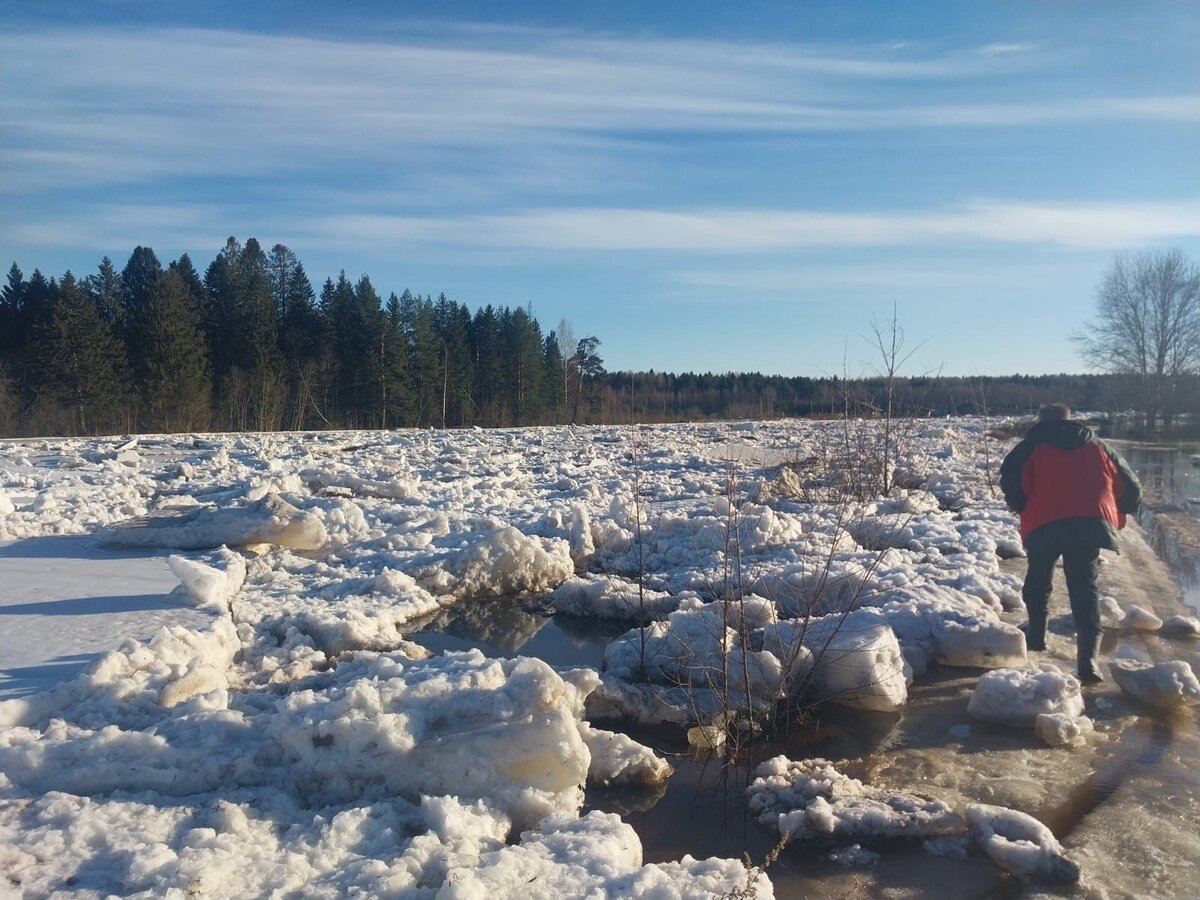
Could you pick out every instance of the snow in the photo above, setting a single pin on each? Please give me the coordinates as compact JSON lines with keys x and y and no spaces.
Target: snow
{"x":252,"y":714}
{"x":271,"y":520}
{"x":1181,"y":627}
{"x":64,"y":603}
{"x":1167,"y":685}
{"x":1062,"y":730}
{"x":1020,"y":843}
{"x":1138,"y":618}
{"x":1019,"y":696}
{"x":811,"y":799}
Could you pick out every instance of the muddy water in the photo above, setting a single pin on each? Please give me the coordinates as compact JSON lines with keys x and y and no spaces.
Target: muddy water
{"x":1170,"y":470}
{"x":1127,"y":806}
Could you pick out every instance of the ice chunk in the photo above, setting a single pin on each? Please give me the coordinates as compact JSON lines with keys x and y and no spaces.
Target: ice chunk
{"x":1111,"y":613}
{"x":6,"y":505}
{"x":595,"y":856}
{"x":856,"y":660}
{"x":1181,"y":627}
{"x":704,"y":647}
{"x":507,"y":730}
{"x":210,"y":585}
{"x":978,"y":643}
{"x":1019,"y":696}
{"x":611,"y":597}
{"x":1062,"y":730}
{"x":271,"y":520}
{"x":1165,"y":685}
{"x":620,"y":760}
{"x":1019,"y":843}
{"x":502,"y":562}
{"x":1138,"y":618}
{"x":811,"y":799}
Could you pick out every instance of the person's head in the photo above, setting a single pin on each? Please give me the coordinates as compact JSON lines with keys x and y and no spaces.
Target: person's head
{"x":1054,"y":412}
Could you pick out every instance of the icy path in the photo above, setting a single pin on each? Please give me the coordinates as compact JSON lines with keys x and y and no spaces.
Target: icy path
{"x":64,"y":603}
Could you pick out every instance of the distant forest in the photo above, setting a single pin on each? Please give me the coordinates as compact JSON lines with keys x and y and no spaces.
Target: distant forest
{"x":250,"y":345}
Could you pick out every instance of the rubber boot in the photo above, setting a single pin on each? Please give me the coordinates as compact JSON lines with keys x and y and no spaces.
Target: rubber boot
{"x":1088,"y":645}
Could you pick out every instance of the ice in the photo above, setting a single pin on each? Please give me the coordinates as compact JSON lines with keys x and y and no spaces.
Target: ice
{"x":1138,"y":618}
{"x":620,"y":760}
{"x":1167,"y":685}
{"x":811,"y":799}
{"x":271,"y":520}
{"x":701,"y":647}
{"x":505,"y":730}
{"x":1181,"y":627}
{"x":1019,"y":843}
{"x":595,"y":856}
{"x":287,"y":735}
{"x":611,"y":597}
{"x":504,"y":561}
{"x":855,"y":659}
{"x":1062,"y":730}
{"x":211,"y":585}
{"x":1111,"y":613}
{"x":1019,"y":696}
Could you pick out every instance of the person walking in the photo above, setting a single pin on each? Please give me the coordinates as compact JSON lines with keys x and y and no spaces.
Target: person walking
{"x":1073,"y":493}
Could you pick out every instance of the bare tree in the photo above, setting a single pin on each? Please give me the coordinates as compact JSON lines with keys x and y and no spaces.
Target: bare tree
{"x":1147,"y":325}
{"x":888,"y":340}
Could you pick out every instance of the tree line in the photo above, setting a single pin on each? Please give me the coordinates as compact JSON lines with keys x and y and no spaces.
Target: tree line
{"x":251,"y":346}
{"x":667,"y":397}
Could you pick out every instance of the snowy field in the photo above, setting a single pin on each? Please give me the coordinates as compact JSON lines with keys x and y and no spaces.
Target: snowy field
{"x":222,"y":673}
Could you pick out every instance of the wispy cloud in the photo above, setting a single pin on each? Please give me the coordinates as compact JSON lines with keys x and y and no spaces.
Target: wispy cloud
{"x":101,"y":106}
{"x":1068,"y":226}
{"x":1077,"y":226}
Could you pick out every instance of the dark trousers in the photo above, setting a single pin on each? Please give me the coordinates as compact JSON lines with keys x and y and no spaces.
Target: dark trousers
{"x":1080,"y":566}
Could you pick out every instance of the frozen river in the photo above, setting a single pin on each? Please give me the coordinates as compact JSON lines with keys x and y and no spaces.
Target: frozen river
{"x":418,"y":674}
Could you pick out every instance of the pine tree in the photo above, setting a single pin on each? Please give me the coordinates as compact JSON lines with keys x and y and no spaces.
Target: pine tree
{"x":88,"y":374}
{"x":106,"y":291}
{"x":172,"y":374}
{"x":397,"y":403}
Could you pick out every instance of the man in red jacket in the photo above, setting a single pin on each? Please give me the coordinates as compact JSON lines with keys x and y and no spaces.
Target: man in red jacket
{"x":1073,"y":494}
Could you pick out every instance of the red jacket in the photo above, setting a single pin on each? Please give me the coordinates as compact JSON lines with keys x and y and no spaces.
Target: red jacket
{"x":1062,"y":473}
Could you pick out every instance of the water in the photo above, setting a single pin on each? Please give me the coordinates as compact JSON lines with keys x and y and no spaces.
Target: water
{"x":1172,"y":471}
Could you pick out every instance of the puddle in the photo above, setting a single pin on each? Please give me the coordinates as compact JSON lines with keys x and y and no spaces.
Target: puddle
{"x":1166,"y":469}
{"x":502,"y":627}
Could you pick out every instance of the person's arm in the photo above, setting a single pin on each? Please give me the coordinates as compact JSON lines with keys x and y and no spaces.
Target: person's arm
{"x":1011,"y":474}
{"x":1129,"y":497}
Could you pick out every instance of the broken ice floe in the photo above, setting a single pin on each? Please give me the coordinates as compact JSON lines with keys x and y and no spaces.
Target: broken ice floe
{"x":1019,"y":696}
{"x":1019,"y":843}
{"x":1181,"y":627}
{"x":271,"y":520}
{"x":1138,"y":618}
{"x":1167,"y":685}
{"x":810,"y":799}
{"x":1062,"y":729}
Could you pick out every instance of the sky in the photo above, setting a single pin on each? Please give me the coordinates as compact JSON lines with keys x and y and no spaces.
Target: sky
{"x":705,"y":186}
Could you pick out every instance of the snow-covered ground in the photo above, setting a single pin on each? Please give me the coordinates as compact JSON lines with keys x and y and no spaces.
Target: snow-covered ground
{"x":276,"y":713}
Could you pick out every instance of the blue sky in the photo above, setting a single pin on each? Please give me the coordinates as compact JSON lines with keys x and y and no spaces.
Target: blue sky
{"x":704,"y":186}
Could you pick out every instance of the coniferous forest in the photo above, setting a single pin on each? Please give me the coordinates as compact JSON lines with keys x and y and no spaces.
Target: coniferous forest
{"x":250,"y":345}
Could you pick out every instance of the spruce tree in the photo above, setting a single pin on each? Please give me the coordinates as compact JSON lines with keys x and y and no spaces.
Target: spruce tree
{"x":172,"y":371}
{"x":89,"y":375}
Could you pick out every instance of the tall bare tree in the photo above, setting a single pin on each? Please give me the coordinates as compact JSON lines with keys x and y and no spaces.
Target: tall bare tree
{"x":1147,"y":326}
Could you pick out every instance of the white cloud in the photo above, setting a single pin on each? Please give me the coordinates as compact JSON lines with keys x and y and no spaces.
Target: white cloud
{"x":1069,"y":226}
{"x":104,"y":106}
{"x":1075,"y":226}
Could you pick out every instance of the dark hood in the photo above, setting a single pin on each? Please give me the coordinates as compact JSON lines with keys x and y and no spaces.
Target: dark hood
{"x":1064,"y":434}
